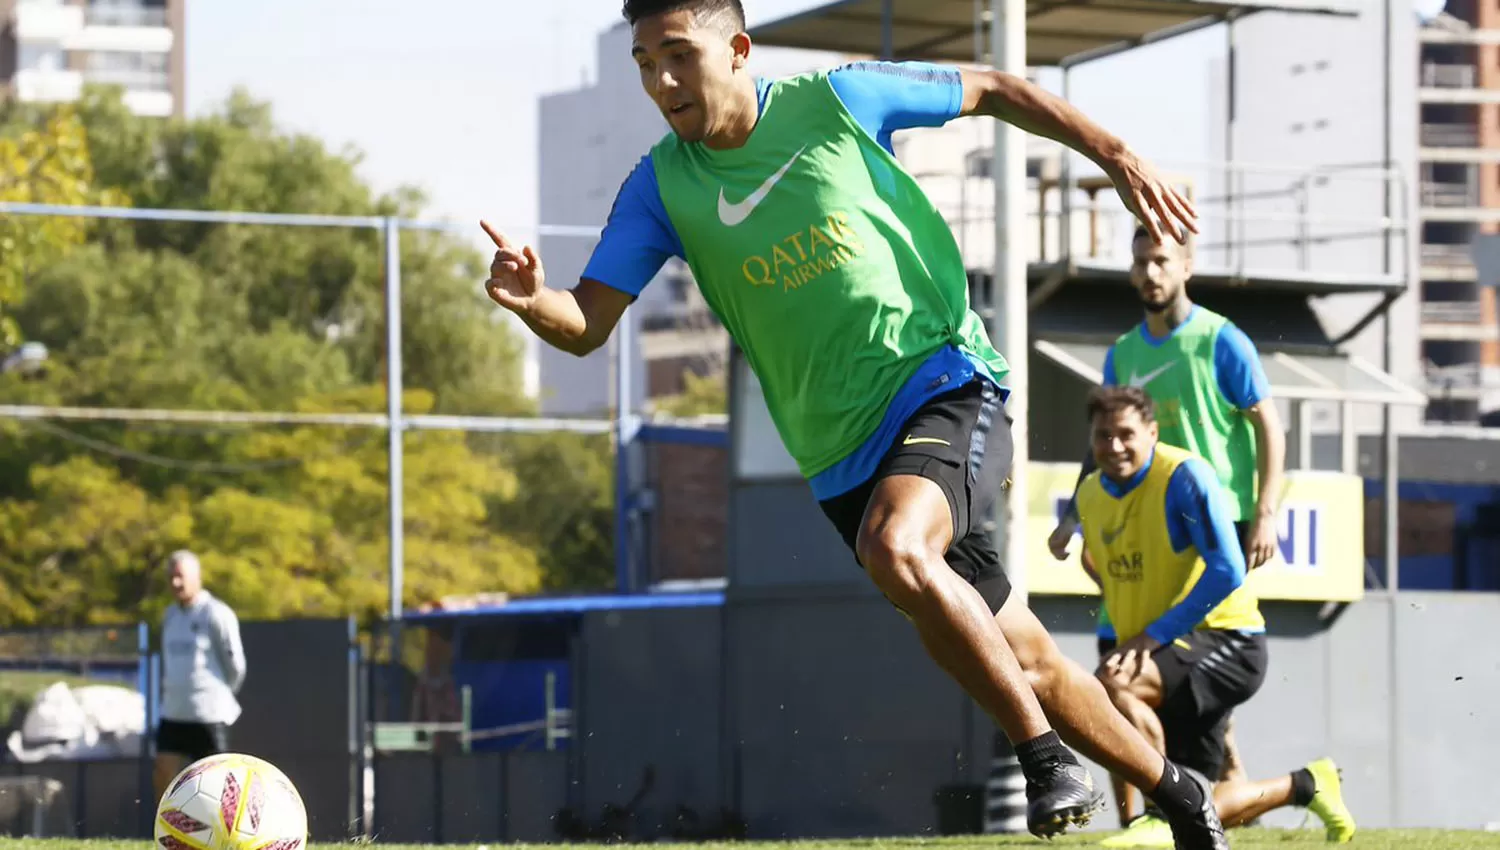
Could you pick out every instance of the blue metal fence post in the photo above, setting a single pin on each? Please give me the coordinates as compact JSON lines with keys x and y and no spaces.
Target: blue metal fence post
{"x":146,"y":792}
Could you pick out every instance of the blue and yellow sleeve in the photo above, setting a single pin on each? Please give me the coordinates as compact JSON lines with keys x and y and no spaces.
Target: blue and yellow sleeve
{"x":1198,"y":515}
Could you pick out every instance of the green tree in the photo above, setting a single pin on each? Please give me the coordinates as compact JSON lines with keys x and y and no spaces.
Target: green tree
{"x":701,"y":395}
{"x":301,"y":533}
{"x":46,"y":162}
{"x":288,"y":520}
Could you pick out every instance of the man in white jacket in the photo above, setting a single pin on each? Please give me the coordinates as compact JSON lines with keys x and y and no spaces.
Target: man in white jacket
{"x":203,"y":667}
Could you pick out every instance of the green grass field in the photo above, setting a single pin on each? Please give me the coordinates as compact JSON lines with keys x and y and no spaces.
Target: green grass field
{"x":1241,"y":839}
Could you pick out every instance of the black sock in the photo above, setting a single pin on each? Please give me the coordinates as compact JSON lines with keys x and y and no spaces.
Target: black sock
{"x":1041,"y":750}
{"x":1303,"y":787}
{"x":1177,"y":792}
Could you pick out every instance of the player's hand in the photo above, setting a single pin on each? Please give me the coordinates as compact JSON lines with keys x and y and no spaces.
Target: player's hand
{"x":1128,"y":660}
{"x":1061,"y":536}
{"x":1260,"y":541}
{"x":1153,"y":201}
{"x":516,"y":275}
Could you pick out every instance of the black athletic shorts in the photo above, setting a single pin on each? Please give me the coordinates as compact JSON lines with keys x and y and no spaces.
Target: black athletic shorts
{"x":961,"y":441}
{"x":1205,"y":675}
{"x":192,"y":741}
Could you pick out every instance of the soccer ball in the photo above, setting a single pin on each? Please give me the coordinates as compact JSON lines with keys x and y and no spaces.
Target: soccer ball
{"x":231,"y":802}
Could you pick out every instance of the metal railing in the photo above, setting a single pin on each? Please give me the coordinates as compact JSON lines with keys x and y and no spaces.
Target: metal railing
{"x":1260,"y":217}
{"x":623,"y":423}
{"x":1449,"y":194}
{"x":1448,"y":76}
{"x":124,"y":16}
{"x":1451,"y":312}
{"x":131,"y":79}
{"x":1447,"y":256}
{"x":1464,"y":376}
{"x":1449,"y":135}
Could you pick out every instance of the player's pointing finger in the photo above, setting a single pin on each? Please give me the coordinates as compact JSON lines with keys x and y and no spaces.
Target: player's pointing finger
{"x":495,"y":236}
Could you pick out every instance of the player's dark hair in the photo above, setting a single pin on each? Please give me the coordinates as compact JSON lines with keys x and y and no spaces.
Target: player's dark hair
{"x":730,"y":12}
{"x":1108,"y":401}
{"x":1142,"y":233}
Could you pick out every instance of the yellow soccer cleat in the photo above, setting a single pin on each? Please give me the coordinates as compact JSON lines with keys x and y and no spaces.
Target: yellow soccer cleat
{"x":1328,"y":801}
{"x":1148,"y":830}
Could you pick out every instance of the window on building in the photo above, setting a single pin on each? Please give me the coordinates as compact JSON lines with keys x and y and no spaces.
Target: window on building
{"x":129,"y":69}
{"x":31,"y":57}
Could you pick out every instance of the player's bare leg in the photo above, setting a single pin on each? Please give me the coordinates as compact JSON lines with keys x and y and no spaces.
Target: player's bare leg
{"x":1076,"y":701}
{"x":1241,"y":801}
{"x":164,"y":769}
{"x":1134,"y":704}
{"x":1234,"y":766}
{"x":906,"y":531}
{"x":1125,"y":795}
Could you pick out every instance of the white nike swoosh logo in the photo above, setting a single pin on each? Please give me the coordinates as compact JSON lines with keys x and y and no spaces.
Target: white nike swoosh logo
{"x":1140,"y":381}
{"x":733,"y":214}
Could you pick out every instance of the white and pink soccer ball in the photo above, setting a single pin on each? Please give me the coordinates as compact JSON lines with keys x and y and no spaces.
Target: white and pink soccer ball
{"x":231,"y":802}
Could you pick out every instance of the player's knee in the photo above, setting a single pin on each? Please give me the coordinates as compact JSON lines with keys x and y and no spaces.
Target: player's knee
{"x":900,"y":563}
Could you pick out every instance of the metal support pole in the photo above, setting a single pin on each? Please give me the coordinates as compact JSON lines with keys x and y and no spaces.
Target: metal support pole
{"x":1008,"y":327}
{"x":1005,"y":800}
{"x":1301,"y":435}
{"x":395,"y":476}
{"x":393,"y":413}
{"x":1065,"y":185}
{"x":146,"y":791}
{"x":887,"y":30}
{"x":1232,"y":176}
{"x":1348,"y":440}
{"x":624,"y":434}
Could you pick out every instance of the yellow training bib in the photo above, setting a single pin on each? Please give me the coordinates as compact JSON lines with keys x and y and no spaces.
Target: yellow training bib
{"x":1141,"y":576}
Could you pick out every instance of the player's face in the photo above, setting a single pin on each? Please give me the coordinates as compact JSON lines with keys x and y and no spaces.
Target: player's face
{"x":1122,"y":442}
{"x":687,"y":67}
{"x":1159,"y":273}
{"x":186,"y":582}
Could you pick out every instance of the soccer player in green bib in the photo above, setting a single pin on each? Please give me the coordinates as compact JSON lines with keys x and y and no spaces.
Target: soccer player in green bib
{"x":845,"y":289}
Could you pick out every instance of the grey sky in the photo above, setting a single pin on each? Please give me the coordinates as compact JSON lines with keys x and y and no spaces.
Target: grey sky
{"x":443,"y":94}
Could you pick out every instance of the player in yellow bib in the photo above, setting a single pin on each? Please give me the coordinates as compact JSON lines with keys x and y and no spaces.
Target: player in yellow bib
{"x":1158,"y":527}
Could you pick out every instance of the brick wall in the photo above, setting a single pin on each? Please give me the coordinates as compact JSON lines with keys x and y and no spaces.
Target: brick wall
{"x":692,"y":510}
{"x":1487,"y":16}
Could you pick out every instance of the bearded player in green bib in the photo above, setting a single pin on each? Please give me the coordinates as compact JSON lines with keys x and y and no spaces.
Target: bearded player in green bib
{"x":1214,"y":400}
{"x":845,"y":289}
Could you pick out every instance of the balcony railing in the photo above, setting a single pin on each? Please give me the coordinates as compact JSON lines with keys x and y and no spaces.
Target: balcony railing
{"x":1449,"y":256}
{"x":124,"y":16}
{"x":1451,"y":312}
{"x":1449,"y":136}
{"x":1467,"y":376}
{"x":1444,"y":194}
{"x":1442,"y":76}
{"x":133,"y":80}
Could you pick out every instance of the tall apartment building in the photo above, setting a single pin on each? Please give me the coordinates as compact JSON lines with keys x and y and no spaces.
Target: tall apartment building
{"x":1459,"y":167}
{"x":50,"y":48}
{"x":1316,"y":107}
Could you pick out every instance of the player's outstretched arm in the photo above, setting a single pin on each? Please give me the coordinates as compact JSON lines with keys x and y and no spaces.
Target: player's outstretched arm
{"x":1014,"y":100}
{"x":576,"y":320}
